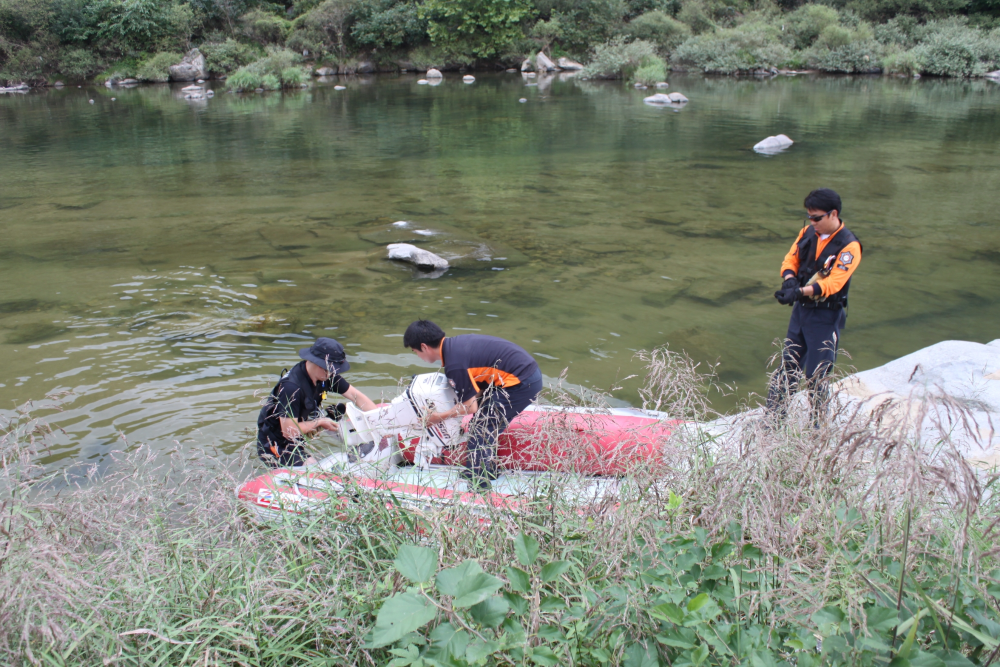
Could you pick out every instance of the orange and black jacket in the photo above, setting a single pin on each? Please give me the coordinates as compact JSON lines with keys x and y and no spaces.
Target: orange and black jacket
{"x":840,"y":252}
{"x":472,"y":362}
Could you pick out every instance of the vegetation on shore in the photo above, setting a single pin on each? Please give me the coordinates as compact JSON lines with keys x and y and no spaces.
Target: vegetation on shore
{"x":45,"y":40}
{"x":852,"y":544}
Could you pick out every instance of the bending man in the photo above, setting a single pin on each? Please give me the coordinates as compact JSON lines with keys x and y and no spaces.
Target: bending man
{"x":817,"y":274}
{"x":493,"y":378}
{"x":294,"y":408}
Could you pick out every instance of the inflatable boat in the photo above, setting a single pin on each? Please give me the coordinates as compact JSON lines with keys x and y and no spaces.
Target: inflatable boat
{"x":388,"y":456}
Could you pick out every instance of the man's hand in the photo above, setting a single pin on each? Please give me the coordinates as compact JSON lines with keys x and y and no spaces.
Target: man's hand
{"x":435,"y":418}
{"x":788,"y":296}
{"x":327,"y":423}
{"x":790,"y":282}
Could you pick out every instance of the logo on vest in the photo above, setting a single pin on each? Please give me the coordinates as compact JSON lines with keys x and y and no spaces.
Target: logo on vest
{"x":846,"y":258}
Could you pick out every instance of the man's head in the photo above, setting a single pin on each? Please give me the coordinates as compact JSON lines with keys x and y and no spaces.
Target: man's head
{"x":328,"y":354}
{"x":823,"y":210}
{"x":424,"y":338}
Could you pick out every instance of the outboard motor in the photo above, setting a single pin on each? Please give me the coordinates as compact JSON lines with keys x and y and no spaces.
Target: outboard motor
{"x":374,"y":437}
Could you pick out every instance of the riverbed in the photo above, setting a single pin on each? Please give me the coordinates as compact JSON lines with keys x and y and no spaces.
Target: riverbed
{"x":164,"y":259}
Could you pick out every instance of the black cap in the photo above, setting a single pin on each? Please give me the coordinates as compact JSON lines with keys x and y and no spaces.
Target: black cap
{"x":326,"y":353}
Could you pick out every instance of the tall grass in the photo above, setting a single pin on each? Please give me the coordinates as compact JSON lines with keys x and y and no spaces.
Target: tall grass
{"x":741,"y":547}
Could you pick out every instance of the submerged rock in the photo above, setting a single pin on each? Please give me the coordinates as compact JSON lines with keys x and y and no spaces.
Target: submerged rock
{"x":468,"y":78}
{"x":422,"y":259}
{"x":773,"y":145}
{"x":192,"y":67}
{"x":662,"y":84}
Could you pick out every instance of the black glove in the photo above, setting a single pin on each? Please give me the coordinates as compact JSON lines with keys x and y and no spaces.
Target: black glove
{"x":335,"y":412}
{"x":787,"y":297}
{"x":790,"y":282}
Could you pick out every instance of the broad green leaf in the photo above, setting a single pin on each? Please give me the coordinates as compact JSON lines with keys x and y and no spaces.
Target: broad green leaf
{"x":519,"y":579}
{"x":899,"y":662}
{"x":668,"y":611}
{"x":544,"y":656}
{"x":467,"y":583}
{"x":552,"y":603}
{"x":674,"y":501}
{"x":925,"y":659}
{"x":639,"y":655}
{"x":490,"y":612}
{"x":401,"y":614}
{"x":554,"y":570}
{"x":516,"y":602}
{"x":882,"y":618}
{"x":697,"y":602}
{"x":671,"y":641}
{"x":478,"y":651}
{"x":762,"y":658}
{"x":526,"y":549}
{"x":699,"y":655}
{"x":828,"y":620}
{"x":952,"y":658}
{"x":418,"y":564}
{"x":794,"y":644}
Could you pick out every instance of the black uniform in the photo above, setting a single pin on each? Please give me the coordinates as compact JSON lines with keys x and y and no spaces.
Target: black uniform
{"x":295,"y":397}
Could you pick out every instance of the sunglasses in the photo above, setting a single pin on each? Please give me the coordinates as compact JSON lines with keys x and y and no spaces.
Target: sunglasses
{"x":817,"y":218}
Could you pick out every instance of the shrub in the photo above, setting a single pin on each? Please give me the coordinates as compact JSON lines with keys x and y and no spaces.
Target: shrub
{"x":618,"y":58}
{"x":902,"y":62}
{"x":482,"y":28}
{"x":264,"y":28}
{"x":900,"y":31}
{"x":748,"y":47}
{"x":77,"y":63}
{"x":861,"y":56}
{"x":293,"y":77}
{"x":245,"y":78}
{"x":135,"y":24}
{"x":834,"y":36}
{"x":227,"y":56}
{"x":270,"y":82}
{"x":696,"y":14}
{"x":649,"y":72}
{"x":384,"y":23}
{"x":954,"y":49}
{"x":278,"y":69}
{"x":156,"y":69}
{"x":326,"y":28}
{"x":808,"y":21}
{"x":660,"y":29}
{"x":585,"y":23}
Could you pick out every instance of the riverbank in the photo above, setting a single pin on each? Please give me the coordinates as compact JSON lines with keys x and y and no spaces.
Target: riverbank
{"x":847,"y":544}
{"x":44,"y":41}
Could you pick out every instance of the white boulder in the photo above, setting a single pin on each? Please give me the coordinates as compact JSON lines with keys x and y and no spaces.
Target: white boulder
{"x":468,"y":78}
{"x":658,"y":98}
{"x":434,"y":74}
{"x":677,"y":98}
{"x":995,"y":75}
{"x":422,"y":259}
{"x":191,"y":89}
{"x":773,"y":145}
{"x":326,"y":71}
{"x":544,"y":64}
{"x":527,"y":66}
{"x":191,"y":68}
{"x":340,"y":87}
{"x":662,"y":84}
{"x":422,"y":82}
{"x":572,"y":65}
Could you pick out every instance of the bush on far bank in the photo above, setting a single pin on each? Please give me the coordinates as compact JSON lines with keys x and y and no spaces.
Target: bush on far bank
{"x":276,"y":70}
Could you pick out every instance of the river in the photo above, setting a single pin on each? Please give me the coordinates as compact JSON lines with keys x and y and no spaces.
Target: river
{"x":163,"y":259}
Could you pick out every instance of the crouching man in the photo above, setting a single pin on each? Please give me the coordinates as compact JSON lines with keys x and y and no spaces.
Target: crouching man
{"x":493,"y":378}
{"x":294,"y":408}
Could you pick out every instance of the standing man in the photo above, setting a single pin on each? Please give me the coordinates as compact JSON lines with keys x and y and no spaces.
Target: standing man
{"x":817,"y":276}
{"x":294,"y":408}
{"x":493,"y":378}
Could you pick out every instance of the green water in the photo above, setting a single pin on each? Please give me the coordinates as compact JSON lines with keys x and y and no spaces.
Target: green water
{"x":163,"y":259}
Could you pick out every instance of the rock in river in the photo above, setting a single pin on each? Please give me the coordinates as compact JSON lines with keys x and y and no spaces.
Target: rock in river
{"x":422,"y":259}
{"x":192,"y":67}
{"x":572,"y":65}
{"x":663,"y":99}
{"x":434,"y":74}
{"x":544,"y":64}
{"x":773,"y":145}
{"x":326,"y":71}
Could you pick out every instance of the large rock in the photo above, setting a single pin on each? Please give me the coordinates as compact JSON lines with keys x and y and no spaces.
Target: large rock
{"x":527,"y":66}
{"x":191,"y":68}
{"x":544,"y":64}
{"x":326,"y":71}
{"x":995,"y":75}
{"x":677,"y":98}
{"x":422,"y":259}
{"x":572,"y":65}
{"x":773,"y":145}
{"x":663,"y":99}
{"x":434,"y":74}
{"x":366,"y":67}
{"x":963,"y":374}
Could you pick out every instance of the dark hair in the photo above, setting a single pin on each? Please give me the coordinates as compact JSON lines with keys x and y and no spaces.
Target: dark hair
{"x":823,"y":199}
{"x":420,"y":332}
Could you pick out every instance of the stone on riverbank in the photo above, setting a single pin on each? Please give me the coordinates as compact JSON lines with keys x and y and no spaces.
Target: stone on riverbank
{"x":527,"y":66}
{"x":544,"y":64}
{"x":995,"y":75}
{"x":773,"y":145}
{"x":192,"y":67}
{"x":571,"y":65}
{"x":422,"y":259}
{"x":325,"y":71}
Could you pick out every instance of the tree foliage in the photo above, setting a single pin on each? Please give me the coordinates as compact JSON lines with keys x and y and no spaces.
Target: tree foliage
{"x":481,"y":28}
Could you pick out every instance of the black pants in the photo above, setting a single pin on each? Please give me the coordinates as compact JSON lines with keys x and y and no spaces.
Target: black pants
{"x":278,"y":456}
{"x":809,"y":353}
{"x":497,"y":408}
